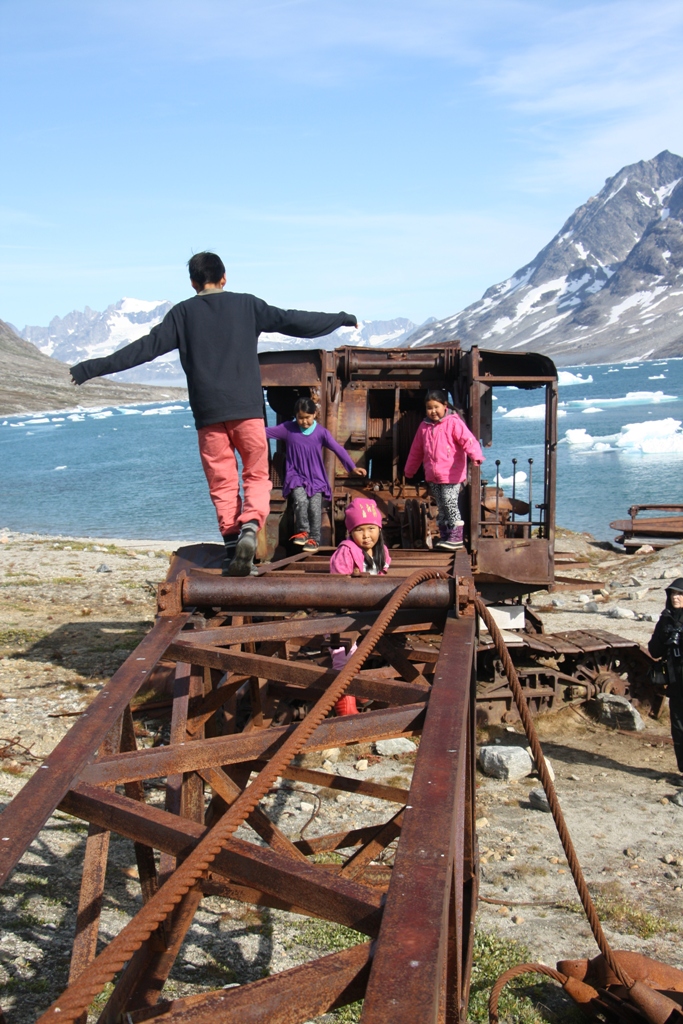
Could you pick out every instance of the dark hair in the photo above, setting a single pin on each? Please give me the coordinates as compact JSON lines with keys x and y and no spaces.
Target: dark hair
{"x":437,"y":395}
{"x":306,"y":405}
{"x":379,"y":553}
{"x":205,"y":268}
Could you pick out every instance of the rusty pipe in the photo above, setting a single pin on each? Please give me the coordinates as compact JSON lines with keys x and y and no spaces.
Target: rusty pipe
{"x":323,"y":592}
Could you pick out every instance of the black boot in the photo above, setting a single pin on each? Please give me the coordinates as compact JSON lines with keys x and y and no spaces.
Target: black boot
{"x":245,"y":549}
{"x":230,"y":541}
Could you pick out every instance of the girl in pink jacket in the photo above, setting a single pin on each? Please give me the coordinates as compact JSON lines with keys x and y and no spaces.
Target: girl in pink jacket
{"x":442,"y":444}
{"x":364,"y":550}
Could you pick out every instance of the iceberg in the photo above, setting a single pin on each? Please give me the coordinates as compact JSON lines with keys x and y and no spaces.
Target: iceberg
{"x":519,"y":478}
{"x":630,"y":398}
{"x":565,"y":378}
{"x":651,"y":438}
{"x":530,"y":412}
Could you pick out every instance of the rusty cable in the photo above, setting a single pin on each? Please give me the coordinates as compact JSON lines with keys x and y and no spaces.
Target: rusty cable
{"x":78,"y":996}
{"x":515,"y":972}
{"x":553,"y":802}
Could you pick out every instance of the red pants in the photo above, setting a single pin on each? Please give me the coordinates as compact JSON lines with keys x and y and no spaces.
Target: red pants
{"x":217,"y":446}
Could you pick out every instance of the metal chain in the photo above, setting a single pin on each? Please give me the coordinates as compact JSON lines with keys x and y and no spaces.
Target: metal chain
{"x":78,"y":996}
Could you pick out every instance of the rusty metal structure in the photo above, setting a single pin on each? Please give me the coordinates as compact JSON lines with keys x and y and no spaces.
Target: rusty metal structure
{"x":658,"y":531}
{"x":252,"y":688}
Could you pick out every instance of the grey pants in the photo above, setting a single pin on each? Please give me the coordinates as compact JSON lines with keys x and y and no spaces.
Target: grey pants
{"x":307,"y":512}
{"x":446,"y":498}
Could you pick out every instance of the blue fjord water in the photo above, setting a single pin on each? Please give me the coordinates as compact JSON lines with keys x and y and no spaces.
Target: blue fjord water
{"x":135,"y":472}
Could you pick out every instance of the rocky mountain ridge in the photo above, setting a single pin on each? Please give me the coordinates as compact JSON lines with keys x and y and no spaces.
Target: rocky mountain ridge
{"x":607,"y":287}
{"x":33,"y":382}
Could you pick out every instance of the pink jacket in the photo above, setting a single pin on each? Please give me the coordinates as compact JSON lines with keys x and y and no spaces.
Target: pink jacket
{"x":443,"y":448}
{"x":349,"y":556}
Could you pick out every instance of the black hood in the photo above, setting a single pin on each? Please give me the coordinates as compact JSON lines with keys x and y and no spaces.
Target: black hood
{"x":674,"y":588}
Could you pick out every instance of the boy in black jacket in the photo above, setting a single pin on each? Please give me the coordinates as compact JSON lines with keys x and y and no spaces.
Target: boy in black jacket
{"x":216,"y":333}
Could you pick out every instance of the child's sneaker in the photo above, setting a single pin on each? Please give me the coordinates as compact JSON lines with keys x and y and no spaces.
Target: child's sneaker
{"x":453,"y":541}
{"x":311,"y":546}
{"x":299,"y":538}
{"x":245,"y":549}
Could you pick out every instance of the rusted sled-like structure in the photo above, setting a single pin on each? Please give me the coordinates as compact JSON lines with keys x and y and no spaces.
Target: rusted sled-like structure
{"x":418,"y":918}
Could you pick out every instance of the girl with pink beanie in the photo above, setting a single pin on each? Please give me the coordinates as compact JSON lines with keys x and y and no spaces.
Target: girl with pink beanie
{"x":364,"y":550}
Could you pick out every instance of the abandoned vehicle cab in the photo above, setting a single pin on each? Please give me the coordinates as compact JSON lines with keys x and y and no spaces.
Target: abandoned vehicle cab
{"x":372,"y":401}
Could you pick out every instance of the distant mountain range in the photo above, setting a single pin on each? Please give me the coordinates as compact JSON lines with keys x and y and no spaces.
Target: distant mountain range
{"x":90,"y":334}
{"x":607,"y":287}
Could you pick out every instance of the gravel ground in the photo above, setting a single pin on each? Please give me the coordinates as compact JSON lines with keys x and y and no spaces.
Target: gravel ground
{"x":67,"y":626}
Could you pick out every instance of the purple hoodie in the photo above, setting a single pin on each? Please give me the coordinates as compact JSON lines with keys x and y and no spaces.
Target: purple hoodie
{"x":304,"y":457}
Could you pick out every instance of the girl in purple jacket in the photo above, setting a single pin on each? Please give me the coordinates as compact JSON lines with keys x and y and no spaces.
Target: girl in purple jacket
{"x":442,"y":444}
{"x":305,"y":476}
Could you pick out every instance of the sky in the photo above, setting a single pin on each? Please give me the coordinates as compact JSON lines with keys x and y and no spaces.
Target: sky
{"x":385,"y":157}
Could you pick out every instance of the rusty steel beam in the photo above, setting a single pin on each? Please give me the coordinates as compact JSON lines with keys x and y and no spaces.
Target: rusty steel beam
{"x":238,"y":747}
{"x":411,"y":957}
{"x":324,"y":593}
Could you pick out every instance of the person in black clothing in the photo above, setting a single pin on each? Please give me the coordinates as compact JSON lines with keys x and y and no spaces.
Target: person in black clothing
{"x":667,"y":644}
{"x":216,"y":333}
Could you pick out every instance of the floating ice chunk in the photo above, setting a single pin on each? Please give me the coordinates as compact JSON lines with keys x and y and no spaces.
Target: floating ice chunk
{"x":657,"y":376}
{"x":651,"y":438}
{"x":76,"y":417}
{"x":565,"y":378}
{"x":502,"y":408}
{"x":592,"y":408}
{"x":103,"y":415}
{"x":579,"y":436}
{"x":519,"y":478}
{"x":40,"y":419}
{"x":60,"y":467}
{"x":530,"y":412}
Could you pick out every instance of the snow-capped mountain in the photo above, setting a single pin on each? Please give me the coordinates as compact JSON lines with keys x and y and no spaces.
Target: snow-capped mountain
{"x":609,"y":286}
{"x":90,"y":334}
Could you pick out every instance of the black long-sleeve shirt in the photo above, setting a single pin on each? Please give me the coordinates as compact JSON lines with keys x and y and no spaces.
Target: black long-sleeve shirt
{"x":216,"y":334}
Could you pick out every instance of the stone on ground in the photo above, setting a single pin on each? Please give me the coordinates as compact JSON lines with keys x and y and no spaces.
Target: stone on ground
{"x":538,"y":800}
{"x":508,"y":763}
{"x":619,"y":713}
{"x":400,"y":745}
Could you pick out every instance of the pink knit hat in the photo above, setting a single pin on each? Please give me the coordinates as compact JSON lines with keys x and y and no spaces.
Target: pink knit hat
{"x":363,"y":512}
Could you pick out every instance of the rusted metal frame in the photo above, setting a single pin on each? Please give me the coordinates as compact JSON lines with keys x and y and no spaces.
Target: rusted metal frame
{"x":282,"y":629}
{"x":144,"y":855}
{"x":325,"y":593}
{"x":222,"y":784}
{"x":141,"y":983}
{"x":23,"y":818}
{"x":151,"y":763}
{"x":93,"y":875}
{"x":202,"y":711}
{"x":400,"y":661}
{"x":406,"y":978}
{"x":338,"y":840}
{"x":308,"y":886}
{"x":384,"y":834}
{"x":549,"y":497}
{"x":299,"y":673}
{"x":299,"y":994}
{"x":340,"y":782}
{"x":268,"y":567}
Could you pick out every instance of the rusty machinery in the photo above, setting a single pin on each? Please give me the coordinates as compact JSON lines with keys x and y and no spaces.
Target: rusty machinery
{"x":372,"y":402}
{"x":248,"y":661}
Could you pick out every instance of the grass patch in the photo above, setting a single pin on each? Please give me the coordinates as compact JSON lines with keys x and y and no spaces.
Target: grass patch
{"x":20,"y":985}
{"x":20,"y":637}
{"x":524,"y":1000}
{"x":618,"y":909}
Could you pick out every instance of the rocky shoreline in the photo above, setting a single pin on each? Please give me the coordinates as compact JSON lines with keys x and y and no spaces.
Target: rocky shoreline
{"x":74,"y":608}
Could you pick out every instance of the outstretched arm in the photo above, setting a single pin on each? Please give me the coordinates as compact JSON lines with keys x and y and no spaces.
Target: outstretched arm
{"x":162,"y":338}
{"x":298,"y":323}
{"x":278,"y":433}
{"x":343,"y":456}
